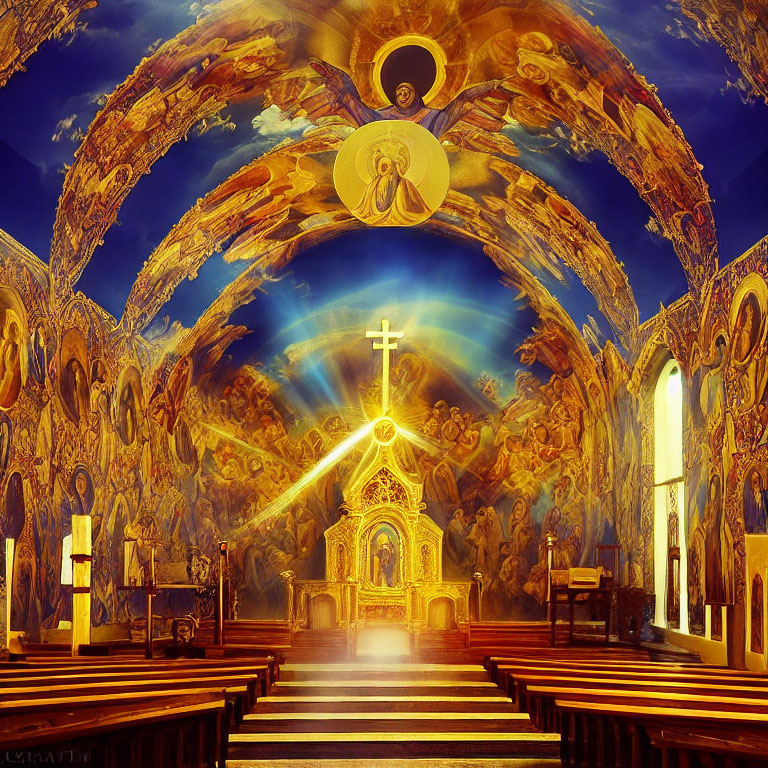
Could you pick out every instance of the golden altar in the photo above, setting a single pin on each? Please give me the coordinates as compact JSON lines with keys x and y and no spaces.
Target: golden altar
{"x":383,"y":559}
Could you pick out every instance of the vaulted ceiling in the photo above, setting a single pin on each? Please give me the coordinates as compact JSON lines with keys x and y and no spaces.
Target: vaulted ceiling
{"x":617,"y":163}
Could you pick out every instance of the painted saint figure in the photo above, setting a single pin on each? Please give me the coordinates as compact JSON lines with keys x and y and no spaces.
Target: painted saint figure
{"x":384,"y":562}
{"x":390,"y":197}
{"x":408,"y":101}
{"x":755,"y":503}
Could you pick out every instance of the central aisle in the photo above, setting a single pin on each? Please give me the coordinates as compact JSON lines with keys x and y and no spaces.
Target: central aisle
{"x":387,"y":715}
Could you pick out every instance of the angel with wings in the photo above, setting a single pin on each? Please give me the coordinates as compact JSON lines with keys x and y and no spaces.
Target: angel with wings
{"x":408,"y":101}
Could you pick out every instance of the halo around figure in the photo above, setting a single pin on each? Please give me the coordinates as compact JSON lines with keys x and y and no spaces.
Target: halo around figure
{"x":410,"y":58}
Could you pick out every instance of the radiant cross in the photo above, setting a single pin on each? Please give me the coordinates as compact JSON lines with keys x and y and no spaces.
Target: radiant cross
{"x":385,"y":346}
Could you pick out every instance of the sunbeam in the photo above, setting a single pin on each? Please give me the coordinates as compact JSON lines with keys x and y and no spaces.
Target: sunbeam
{"x":322,"y":466}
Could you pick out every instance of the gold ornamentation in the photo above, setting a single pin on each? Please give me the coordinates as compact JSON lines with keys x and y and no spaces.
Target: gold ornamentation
{"x":392,"y":173}
{"x":384,"y":431}
{"x":384,"y":489}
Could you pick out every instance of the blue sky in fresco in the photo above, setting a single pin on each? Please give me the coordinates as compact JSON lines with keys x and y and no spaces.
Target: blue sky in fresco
{"x":47,"y":107}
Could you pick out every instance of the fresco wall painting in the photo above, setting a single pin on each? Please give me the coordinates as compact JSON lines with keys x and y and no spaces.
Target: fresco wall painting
{"x":171,"y":447}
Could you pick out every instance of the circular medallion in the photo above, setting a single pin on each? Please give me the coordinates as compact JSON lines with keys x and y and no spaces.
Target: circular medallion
{"x":392,"y":173}
{"x":384,"y":430}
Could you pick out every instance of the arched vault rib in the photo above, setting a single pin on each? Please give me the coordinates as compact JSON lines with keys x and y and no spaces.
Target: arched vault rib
{"x":741,"y":27}
{"x":262,"y":206}
{"x":226,"y":57}
{"x":556,"y":341}
{"x":287,"y":197}
{"x":556,"y":67}
{"x":24,"y":26}
{"x":518,"y":200}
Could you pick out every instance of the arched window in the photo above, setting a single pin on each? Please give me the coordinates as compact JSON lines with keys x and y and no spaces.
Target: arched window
{"x":670,"y":551}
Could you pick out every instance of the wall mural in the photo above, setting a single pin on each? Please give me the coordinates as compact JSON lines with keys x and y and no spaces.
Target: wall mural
{"x":521,"y":404}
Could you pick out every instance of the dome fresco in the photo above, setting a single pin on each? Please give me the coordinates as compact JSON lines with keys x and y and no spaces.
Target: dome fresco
{"x":172,"y":200}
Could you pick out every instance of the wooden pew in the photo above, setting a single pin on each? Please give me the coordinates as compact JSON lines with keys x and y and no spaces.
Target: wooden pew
{"x":146,"y":734}
{"x":510,"y":676}
{"x":39,"y":687}
{"x":499,"y":665}
{"x":106,"y":663}
{"x":592,"y":736}
{"x":81,"y":676}
{"x":632,"y":747}
{"x":718,"y":750}
{"x":543,"y":711}
{"x":715,"y":686}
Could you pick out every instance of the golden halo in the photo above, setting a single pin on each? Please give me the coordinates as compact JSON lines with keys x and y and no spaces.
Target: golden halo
{"x":427,"y":175}
{"x":438,"y":54}
{"x":384,"y":430}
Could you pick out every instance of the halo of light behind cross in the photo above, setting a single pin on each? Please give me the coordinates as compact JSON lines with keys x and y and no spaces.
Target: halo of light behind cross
{"x":384,"y":431}
{"x":386,"y":347}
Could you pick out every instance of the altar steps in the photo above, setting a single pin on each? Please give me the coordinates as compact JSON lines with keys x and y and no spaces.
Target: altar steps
{"x":309,"y":672}
{"x":411,"y":686}
{"x":368,"y":713}
{"x":444,"y":762}
{"x":319,"y":645}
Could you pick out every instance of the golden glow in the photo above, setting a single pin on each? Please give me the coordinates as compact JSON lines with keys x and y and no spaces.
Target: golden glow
{"x":242,"y":444}
{"x":384,"y":430}
{"x":438,"y":54}
{"x":255,"y":738}
{"x":322,"y":466}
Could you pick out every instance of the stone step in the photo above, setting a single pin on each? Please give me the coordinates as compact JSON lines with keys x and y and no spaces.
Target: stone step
{"x":330,"y":704}
{"x":444,"y":762}
{"x":375,"y":687}
{"x":335,"y":722}
{"x":360,"y":671}
{"x":406,"y":745}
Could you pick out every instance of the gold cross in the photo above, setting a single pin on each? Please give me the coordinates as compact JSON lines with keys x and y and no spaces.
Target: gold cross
{"x":384,"y":345}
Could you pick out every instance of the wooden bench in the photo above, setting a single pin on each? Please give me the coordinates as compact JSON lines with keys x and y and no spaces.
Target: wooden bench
{"x":544,"y":715}
{"x":44,"y":690}
{"x":80,"y":675}
{"x":171,"y":731}
{"x":498,"y":665}
{"x":668,"y":713}
{"x":602,"y":735}
{"x":106,"y":663}
{"x":511,"y":676}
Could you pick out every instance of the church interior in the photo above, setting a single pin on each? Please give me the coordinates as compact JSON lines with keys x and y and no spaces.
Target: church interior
{"x":384,"y":383}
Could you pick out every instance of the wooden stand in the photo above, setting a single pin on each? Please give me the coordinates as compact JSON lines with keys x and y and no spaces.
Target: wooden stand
{"x":81,"y":582}
{"x":605,"y":593}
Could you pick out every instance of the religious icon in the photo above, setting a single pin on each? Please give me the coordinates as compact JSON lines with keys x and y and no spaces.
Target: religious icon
{"x":81,"y":488}
{"x":755,"y":503}
{"x":129,"y":405}
{"x":747,"y":328}
{"x":385,"y":557}
{"x":756,"y":615}
{"x":407,"y":77}
{"x":10,"y":356}
{"x":391,"y":174}
{"x":40,"y":353}
{"x":719,"y":570}
{"x":74,"y":389}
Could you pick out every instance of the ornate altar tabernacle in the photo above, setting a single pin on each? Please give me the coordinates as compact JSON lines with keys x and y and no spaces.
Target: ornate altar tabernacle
{"x":383,"y":557}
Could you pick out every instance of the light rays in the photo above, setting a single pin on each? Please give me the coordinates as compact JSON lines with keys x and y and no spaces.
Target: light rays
{"x":246,"y":446}
{"x":324,"y":465}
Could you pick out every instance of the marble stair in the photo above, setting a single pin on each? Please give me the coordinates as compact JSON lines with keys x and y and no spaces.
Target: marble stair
{"x":396,"y":714}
